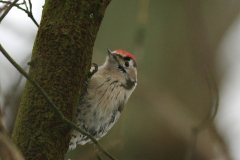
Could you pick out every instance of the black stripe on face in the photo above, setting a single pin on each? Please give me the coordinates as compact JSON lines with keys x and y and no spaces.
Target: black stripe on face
{"x":121,"y":69}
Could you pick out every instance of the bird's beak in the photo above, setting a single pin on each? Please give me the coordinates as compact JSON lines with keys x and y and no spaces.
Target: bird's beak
{"x":109,"y":52}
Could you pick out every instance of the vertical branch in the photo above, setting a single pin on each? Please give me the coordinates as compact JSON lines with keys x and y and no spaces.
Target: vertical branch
{"x":52,"y":105}
{"x":60,"y":63}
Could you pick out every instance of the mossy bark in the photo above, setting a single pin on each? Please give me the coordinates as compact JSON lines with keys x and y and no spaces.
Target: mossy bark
{"x":60,"y":63}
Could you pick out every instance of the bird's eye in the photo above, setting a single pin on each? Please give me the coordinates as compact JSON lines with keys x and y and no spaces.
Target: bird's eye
{"x":126,"y":64}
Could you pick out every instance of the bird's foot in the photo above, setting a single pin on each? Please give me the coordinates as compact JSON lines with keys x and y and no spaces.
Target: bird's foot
{"x":91,"y":73}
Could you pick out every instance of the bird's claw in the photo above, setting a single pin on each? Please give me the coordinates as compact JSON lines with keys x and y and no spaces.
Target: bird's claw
{"x":92,"y":73}
{"x":87,"y":83}
{"x":95,"y":68}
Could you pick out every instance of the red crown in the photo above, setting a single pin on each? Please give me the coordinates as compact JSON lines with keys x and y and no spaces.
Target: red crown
{"x":127,"y":54}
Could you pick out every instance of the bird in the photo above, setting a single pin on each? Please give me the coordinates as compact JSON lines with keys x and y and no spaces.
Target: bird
{"x":103,"y":101}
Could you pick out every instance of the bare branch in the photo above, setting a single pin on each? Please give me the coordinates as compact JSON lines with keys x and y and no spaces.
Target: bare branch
{"x":7,"y":10}
{"x":25,"y":3}
{"x":16,"y":5}
{"x":30,"y":5}
{"x":27,"y":11}
{"x":54,"y":107}
{"x":3,"y":8}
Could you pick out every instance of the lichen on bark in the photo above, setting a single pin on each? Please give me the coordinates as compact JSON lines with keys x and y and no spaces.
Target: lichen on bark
{"x":60,"y":63}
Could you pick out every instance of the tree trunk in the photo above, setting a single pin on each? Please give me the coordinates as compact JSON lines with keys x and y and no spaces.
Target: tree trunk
{"x":60,"y":63}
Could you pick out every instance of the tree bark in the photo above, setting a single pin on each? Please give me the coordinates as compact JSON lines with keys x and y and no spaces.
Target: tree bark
{"x":60,"y":64}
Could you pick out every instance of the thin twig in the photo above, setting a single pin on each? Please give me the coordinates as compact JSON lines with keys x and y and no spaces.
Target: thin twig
{"x":16,"y":5}
{"x":9,"y":2}
{"x":7,"y":10}
{"x":29,"y":13}
{"x":54,"y":107}
{"x":3,"y":8}
{"x":197,"y":129}
{"x":25,"y":3}
{"x":30,"y":5}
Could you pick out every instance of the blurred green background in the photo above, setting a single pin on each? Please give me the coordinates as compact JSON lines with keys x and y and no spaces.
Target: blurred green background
{"x":172,"y":41}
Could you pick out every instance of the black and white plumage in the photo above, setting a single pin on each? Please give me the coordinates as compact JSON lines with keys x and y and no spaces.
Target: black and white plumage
{"x":101,"y":106}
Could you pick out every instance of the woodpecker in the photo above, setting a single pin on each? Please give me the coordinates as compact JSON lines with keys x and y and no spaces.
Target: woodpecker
{"x":102,"y":103}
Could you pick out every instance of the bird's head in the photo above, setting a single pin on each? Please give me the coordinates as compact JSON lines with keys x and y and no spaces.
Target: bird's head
{"x":125,"y":63}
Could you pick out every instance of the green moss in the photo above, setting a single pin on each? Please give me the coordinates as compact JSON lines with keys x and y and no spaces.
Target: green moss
{"x":60,"y":62}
